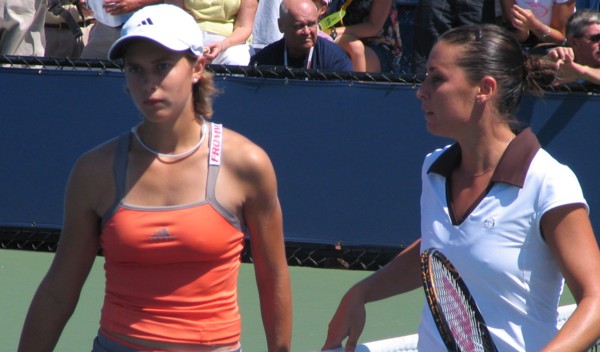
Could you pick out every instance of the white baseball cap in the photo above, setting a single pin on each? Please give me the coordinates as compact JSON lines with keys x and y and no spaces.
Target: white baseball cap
{"x":167,"y":25}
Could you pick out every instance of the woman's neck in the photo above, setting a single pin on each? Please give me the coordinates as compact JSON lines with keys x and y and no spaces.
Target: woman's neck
{"x":483,"y":154}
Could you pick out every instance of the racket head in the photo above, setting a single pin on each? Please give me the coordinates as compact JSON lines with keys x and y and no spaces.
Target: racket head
{"x":454,"y":310}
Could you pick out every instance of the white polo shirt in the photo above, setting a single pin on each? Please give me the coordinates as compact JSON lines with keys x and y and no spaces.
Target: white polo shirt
{"x":498,"y":248}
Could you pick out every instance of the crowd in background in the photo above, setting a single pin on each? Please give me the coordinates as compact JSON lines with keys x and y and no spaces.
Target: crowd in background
{"x":368,"y":31}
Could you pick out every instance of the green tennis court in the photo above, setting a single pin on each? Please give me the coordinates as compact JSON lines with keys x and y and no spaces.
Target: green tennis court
{"x":316,"y":295}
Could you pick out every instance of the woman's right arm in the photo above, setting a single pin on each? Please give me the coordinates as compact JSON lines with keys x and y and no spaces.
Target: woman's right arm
{"x":379,"y":12}
{"x":58,"y":293}
{"x":525,"y":22}
{"x":569,"y":234}
{"x":402,"y":274}
{"x":242,"y":29}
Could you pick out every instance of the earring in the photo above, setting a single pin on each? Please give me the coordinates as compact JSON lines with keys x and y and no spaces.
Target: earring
{"x":195,"y":80}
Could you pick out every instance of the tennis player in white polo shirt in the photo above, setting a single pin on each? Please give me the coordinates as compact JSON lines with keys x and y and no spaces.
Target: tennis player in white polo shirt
{"x":512,"y":219}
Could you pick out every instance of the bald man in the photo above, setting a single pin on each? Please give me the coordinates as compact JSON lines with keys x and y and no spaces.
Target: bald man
{"x":300,"y":46}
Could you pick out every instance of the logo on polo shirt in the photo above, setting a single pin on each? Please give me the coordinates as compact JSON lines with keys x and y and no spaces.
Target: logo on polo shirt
{"x":489,"y":223}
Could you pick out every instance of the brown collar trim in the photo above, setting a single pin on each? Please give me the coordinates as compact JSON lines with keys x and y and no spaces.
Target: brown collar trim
{"x":511,"y":169}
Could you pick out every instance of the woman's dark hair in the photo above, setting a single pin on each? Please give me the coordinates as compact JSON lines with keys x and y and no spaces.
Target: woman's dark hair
{"x":490,"y":50}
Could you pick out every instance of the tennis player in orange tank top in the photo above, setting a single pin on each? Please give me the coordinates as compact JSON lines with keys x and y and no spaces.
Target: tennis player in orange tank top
{"x":170,"y":203}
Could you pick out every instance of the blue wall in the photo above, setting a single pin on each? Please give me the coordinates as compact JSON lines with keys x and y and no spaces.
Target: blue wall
{"x":347,"y":154}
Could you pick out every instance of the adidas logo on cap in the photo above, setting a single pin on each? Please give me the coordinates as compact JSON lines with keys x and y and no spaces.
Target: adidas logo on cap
{"x":165,"y":24}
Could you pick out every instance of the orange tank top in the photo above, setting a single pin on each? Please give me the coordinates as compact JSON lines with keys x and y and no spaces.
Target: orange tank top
{"x":171,"y":272}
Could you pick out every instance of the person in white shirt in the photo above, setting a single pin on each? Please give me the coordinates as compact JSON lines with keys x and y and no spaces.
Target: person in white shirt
{"x":511,"y":218}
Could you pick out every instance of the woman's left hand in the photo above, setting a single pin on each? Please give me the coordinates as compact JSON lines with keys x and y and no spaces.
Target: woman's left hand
{"x":212,"y":50}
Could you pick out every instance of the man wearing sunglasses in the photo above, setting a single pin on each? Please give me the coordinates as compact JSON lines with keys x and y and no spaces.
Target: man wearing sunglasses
{"x":580,"y":60}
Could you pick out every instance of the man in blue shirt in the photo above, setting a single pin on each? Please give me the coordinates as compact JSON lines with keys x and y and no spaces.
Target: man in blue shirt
{"x":300,"y":46}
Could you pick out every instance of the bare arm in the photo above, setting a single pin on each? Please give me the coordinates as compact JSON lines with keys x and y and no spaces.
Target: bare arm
{"x":506,"y":6}
{"x":568,"y":232}
{"x":244,"y":23}
{"x":567,"y":70}
{"x":524,"y":21}
{"x":242,"y":29}
{"x":121,"y":7}
{"x":263,"y":216}
{"x":379,"y":12}
{"x":586,"y":73}
{"x":401,"y":275}
{"x":58,"y":293}
{"x":558,"y":24}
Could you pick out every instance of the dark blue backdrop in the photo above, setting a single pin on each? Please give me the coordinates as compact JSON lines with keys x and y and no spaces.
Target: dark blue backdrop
{"x":347,"y":154}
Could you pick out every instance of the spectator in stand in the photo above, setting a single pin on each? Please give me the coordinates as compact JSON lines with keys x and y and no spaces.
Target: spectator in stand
{"x":300,"y":46}
{"x":22,"y":27}
{"x":265,"y":30}
{"x":369,"y":32}
{"x":227,"y":26}
{"x":580,"y":60}
{"x":322,"y":6}
{"x":110,"y":15}
{"x":67,"y":28}
{"x":538,"y":23}
{"x":434,"y":17}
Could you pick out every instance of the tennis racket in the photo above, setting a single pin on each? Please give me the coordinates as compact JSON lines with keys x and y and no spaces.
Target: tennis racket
{"x":453,"y":308}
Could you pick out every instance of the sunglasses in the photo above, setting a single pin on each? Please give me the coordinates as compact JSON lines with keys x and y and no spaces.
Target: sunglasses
{"x":595,"y":38}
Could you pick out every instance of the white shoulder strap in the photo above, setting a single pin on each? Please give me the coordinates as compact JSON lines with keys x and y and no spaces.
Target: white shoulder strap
{"x":216,"y":144}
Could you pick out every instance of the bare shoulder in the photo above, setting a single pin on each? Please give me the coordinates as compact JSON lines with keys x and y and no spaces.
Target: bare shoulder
{"x":243,"y":156}
{"x":95,"y":161}
{"x":91,"y":180}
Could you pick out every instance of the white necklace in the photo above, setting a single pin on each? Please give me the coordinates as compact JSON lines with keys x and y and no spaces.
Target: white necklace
{"x":172,"y":156}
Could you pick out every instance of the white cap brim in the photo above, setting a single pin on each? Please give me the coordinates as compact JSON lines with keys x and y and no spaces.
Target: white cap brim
{"x":165,"y":24}
{"x":116,"y":50}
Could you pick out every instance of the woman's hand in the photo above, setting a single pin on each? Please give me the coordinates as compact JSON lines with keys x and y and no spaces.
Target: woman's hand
{"x":212,"y":50}
{"x":523,"y":21}
{"x":348,"y":321}
{"x":523,"y":18}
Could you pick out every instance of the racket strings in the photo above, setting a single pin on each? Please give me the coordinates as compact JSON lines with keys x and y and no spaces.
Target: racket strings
{"x":462,"y":322}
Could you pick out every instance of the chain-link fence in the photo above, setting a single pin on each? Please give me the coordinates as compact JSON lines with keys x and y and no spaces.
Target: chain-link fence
{"x":278,"y":72}
{"x":315,"y":255}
